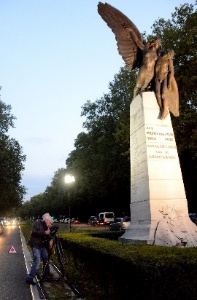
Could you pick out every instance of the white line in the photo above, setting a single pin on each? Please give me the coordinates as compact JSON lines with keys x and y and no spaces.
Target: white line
{"x":28,"y":259}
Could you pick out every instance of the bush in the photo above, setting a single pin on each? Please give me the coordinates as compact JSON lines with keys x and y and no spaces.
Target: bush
{"x":106,"y":269}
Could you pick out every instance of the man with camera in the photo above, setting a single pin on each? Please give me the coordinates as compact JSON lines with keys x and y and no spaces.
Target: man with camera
{"x":39,"y":241}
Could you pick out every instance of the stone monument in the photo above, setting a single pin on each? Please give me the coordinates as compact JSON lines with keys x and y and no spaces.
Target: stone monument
{"x":159,"y":212}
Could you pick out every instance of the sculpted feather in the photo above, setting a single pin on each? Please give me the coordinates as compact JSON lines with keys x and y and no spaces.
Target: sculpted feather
{"x":136,"y":53}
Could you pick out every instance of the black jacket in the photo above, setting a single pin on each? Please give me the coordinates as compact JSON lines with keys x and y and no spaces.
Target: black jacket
{"x":38,"y":238}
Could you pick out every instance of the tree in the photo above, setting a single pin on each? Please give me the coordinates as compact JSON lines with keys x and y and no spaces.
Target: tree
{"x":101,"y":158}
{"x":55,"y":195}
{"x":54,"y":199}
{"x":11,"y":163}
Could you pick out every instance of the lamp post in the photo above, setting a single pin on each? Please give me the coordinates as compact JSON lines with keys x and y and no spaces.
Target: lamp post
{"x":69,"y":179}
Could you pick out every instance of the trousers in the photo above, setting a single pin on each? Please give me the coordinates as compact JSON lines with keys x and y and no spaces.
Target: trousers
{"x":38,"y":254}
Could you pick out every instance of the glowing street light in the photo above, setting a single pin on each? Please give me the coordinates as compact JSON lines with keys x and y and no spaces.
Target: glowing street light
{"x":69,"y":179}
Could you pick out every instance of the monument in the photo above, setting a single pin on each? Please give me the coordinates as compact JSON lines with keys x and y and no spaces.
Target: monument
{"x":159,"y":210}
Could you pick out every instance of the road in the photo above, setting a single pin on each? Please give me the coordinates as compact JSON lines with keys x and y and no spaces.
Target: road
{"x":12,"y":266}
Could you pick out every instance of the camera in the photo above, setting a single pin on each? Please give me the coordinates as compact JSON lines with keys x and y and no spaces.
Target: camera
{"x":54,"y":230}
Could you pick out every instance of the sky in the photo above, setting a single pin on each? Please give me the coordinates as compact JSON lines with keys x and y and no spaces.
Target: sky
{"x":54,"y":56}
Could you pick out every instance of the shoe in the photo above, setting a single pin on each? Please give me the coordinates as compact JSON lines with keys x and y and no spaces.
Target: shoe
{"x":30,"y":281}
{"x":50,"y":276}
{"x":47,"y":277}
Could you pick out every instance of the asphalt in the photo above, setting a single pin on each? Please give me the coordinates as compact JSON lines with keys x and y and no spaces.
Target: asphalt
{"x":12,"y":267}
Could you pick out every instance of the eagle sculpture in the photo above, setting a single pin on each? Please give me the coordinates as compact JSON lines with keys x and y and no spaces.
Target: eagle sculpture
{"x":155,"y":66}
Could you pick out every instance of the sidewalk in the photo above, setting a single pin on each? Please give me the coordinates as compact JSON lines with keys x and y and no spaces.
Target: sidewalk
{"x":53,"y":289}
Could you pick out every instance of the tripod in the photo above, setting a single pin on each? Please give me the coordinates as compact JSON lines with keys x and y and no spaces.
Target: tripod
{"x":60,"y":255}
{"x":55,"y":245}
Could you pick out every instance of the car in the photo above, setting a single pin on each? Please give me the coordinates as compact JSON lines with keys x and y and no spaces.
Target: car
{"x":55,"y":221}
{"x":120,"y":223}
{"x":106,"y":218}
{"x":67,"y":220}
{"x":193,"y":217}
{"x":9,"y":221}
{"x":76,"y":221}
{"x":93,"y":220}
{"x":1,"y":228}
{"x":2,"y":220}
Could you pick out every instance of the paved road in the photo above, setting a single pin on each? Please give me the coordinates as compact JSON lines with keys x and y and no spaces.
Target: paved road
{"x":12,"y":267}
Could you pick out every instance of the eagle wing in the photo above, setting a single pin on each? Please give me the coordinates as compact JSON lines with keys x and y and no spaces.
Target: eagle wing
{"x":129,"y":40}
{"x":173,"y":98}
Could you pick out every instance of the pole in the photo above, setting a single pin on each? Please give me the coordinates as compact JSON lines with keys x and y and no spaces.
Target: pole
{"x":68,"y":180}
{"x":69,"y":210}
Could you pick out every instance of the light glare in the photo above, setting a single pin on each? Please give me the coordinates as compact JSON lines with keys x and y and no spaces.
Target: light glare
{"x":69,"y":179}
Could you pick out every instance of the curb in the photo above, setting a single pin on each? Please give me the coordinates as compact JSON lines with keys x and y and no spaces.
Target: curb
{"x":28,"y":260}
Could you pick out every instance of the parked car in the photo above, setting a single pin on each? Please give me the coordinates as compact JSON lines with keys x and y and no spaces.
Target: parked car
{"x":193,"y":217}
{"x":1,"y":228}
{"x":106,"y":218}
{"x":75,"y":221}
{"x":55,"y":221}
{"x":67,"y":220}
{"x":92,"y":220}
{"x":95,"y":222}
{"x":120,"y":223}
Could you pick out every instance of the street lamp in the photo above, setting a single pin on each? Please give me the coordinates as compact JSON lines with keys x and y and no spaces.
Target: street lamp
{"x":69,"y":179}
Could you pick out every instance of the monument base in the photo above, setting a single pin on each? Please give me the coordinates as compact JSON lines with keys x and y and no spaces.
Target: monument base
{"x":180,"y":232}
{"x":159,"y":211}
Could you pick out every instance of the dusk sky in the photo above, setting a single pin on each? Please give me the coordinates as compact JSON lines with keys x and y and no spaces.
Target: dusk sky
{"x":56,"y":55}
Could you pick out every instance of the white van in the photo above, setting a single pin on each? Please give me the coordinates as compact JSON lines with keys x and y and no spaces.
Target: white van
{"x":106,"y":217}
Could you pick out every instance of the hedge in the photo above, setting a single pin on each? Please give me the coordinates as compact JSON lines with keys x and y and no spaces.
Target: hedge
{"x":106,"y":269}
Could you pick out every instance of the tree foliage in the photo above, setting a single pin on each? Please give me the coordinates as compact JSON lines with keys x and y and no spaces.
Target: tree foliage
{"x":11,"y":163}
{"x":54,"y":199}
{"x":101,"y":157}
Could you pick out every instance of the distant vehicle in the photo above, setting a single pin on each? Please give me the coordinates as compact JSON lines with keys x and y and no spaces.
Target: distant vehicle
{"x":55,"y":221}
{"x":76,"y":221}
{"x":193,"y":217}
{"x":120,"y":223}
{"x":67,"y":220}
{"x":106,"y":218}
{"x":1,"y":228}
{"x":2,"y":221}
{"x":93,"y":220}
{"x":9,"y":221}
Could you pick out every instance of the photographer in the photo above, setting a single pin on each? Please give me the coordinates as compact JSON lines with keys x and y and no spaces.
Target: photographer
{"x":39,"y":241}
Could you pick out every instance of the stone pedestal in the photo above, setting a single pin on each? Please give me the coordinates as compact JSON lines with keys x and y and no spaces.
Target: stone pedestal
{"x":159,"y":211}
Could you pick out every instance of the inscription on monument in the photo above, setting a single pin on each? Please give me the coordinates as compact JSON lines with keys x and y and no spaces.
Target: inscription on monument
{"x":160,"y":143}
